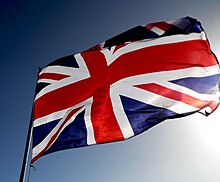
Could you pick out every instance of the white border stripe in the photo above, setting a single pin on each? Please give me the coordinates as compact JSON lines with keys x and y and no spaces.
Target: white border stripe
{"x":163,"y":76}
{"x":120,"y":115}
{"x":88,"y":123}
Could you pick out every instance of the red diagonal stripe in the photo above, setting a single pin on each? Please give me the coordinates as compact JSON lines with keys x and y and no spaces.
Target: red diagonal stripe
{"x":175,"y":95}
{"x":213,"y":105}
{"x":163,"y":25}
{"x":53,"y":76}
{"x":63,"y":98}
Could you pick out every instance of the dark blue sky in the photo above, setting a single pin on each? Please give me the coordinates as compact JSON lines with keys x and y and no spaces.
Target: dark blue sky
{"x":34,"y":33}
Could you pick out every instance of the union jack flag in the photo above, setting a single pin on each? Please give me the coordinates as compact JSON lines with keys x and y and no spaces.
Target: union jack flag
{"x":122,"y":87}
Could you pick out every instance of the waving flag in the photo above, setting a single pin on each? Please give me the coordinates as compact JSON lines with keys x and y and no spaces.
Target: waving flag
{"x":125,"y":85}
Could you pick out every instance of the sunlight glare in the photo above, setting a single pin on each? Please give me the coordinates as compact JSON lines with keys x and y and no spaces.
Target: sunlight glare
{"x":209,"y":130}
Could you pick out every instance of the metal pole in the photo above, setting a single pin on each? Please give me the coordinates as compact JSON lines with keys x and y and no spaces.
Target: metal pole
{"x":28,"y":141}
{"x":26,"y":152}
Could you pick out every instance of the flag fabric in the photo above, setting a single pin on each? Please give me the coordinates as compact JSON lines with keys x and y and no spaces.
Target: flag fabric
{"x":124,"y":86}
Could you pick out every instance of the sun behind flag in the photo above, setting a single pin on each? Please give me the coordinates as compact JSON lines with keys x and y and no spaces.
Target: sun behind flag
{"x":122,"y":87}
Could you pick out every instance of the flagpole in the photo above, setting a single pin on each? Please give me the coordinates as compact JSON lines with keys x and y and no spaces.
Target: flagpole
{"x":27,"y":150}
{"x":28,"y":140}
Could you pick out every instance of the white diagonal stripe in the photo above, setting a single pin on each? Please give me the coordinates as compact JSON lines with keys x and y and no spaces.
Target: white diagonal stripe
{"x":46,"y":81}
{"x":185,"y":90}
{"x":80,"y":74}
{"x":59,"y":70}
{"x":155,"y":99}
{"x":157,"y":30}
{"x":41,"y":146}
{"x":51,"y":117}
